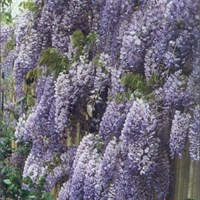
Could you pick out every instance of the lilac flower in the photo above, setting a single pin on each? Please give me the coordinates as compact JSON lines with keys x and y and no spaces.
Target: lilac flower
{"x":127,"y":157}
{"x":81,"y":161}
{"x":20,"y":129}
{"x":113,"y":19}
{"x":21,"y":32}
{"x":162,"y":174}
{"x":140,"y":122}
{"x":116,"y":86}
{"x":174,"y":93}
{"x":178,"y":134}
{"x":193,"y":86}
{"x":87,"y":142}
{"x":77,"y":184}
{"x":173,"y":41}
{"x":133,"y":186}
{"x":62,"y":171}
{"x":142,"y":156}
{"x":34,"y":165}
{"x":90,"y":181}
{"x":28,"y":47}
{"x":64,"y":192}
{"x":107,"y":170}
{"x":36,"y":124}
{"x":194,"y":135}
{"x":113,"y":120}
{"x":40,"y":88}
{"x":140,"y":34}
{"x":140,"y":144}
{"x":70,"y":88}
{"x":7,"y":64}
{"x":99,"y":93}
{"x":108,"y":22}
{"x":5,"y":34}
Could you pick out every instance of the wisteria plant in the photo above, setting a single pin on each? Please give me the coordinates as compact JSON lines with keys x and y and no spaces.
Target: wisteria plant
{"x":106,"y":95}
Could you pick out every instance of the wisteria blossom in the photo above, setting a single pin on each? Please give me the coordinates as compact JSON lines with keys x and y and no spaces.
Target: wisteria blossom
{"x":178,"y":134}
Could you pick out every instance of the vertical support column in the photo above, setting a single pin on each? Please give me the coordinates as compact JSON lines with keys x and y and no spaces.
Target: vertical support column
{"x":187,"y":178}
{"x":194,"y":181}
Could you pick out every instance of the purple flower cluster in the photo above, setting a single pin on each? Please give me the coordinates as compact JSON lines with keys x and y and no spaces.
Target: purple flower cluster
{"x":178,"y":133}
{"x":107,"y":170}
{"x":113,"y":120}
{"x":7,"y":64}
{"x":81,"y":180}
{"x":37,"y":122}
{"x":90,"y":181}
{"x":174,"y":93}
{"x":140,"y":122}
{"x":140,"y":144}
{"x":194,"y":137}
{"x":28,"y":47}
{"x":70,"y":89}
{"x":63,"y":171}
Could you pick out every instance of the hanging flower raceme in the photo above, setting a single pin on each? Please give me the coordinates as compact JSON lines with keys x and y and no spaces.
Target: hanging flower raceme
{"x":28,"y":47}
{"x":162,"y":175}
{"x":70,"y":89}
{"x":113,"y":120}
{"x":194,"y":136}
{"x":178,"y":133}
{"x":140,"y":122}
{"x":140,"y":144}
{"x":63,"y":171}
{"x":107,"y":170}
{"x":174,"y":93}
{"x":81,"y":161}
{"x":90,"y":182}
{"x":37,"y":122}
{"x":64,"y":192}
{"x":20,"y":129}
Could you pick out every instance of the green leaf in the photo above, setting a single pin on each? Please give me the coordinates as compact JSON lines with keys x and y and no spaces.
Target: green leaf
{"x":10,"y":188}
{"x":78,"y":39}
{"x":54,"y":60}
{"x":7,"y":181}
{"x":42,"y":181}
{"x":47,"y":196}
{"x":3,"y":171}
{"x":21,"y":99}
{"x":28,"y":5}
{"x":32,"y":197}
{"x":30,"y":101}
{"x":6,"y":17}
{"x":27,"y":180}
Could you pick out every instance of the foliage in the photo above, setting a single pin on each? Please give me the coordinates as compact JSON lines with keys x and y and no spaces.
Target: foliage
{"x":6,"y":17}
{"x":28,"y":5}
{"x":5,"y":14}
{"x":5,"y":2}
{"x":136,"y":85}
{"x":11,"y":179}
{"x":5,"y":139}
{"x":83,"y":43}
{"x":10,"y":45}
{"x":136,"y":81}
{"x":54,"y":60}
